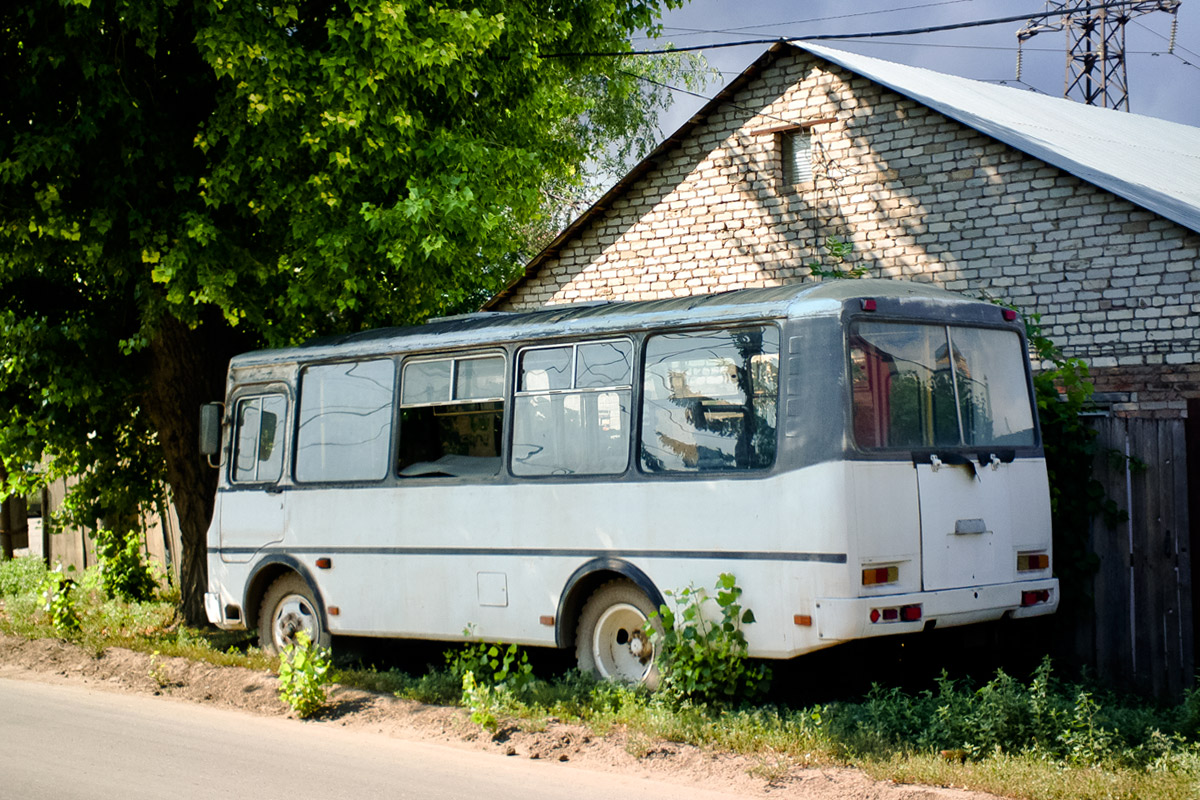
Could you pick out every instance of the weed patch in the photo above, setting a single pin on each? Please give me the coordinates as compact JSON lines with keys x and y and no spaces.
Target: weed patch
{"x":705,"y":659}
{"x":20,"y":576}
{"x":1041,"y":738}
{"x":305,"y":673}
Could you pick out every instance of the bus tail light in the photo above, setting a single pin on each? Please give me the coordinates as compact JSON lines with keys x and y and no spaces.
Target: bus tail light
{"x":873,"y":576}
{"x":1033,"y":598}
{"x":1028,"y":562}
{"x":901,"y":614}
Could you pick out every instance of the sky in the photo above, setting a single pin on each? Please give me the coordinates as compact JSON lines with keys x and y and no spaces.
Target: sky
{"x":1160,"y":84}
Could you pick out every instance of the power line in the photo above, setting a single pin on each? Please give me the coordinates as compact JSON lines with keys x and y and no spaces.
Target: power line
{"x":1166,"y":39}
{"x":701,"y":31}
{"x":840,"y":36}
{"x":681,"y":90}
{"x":1002,"y":48}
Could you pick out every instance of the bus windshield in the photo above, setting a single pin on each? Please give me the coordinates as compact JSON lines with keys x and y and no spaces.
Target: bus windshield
{"x":917,"y":386}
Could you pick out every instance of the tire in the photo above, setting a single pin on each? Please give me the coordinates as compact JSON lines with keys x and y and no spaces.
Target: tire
{"x":610,"y":641}
{"x":289,"y":606}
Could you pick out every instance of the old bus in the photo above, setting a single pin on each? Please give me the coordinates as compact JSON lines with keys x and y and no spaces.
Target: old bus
{"x":863,"y":456}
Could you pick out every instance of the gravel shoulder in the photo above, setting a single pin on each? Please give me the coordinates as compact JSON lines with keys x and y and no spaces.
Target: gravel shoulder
{"x":119,"y":670}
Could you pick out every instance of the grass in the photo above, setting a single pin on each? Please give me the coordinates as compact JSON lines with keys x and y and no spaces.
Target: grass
{"x":148,"y":627}
{"x":1040,"y":738}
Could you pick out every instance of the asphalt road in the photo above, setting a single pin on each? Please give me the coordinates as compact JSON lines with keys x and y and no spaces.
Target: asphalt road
{"x":65,"y":742}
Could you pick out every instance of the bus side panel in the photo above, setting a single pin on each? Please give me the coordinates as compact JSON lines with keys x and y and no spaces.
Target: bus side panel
{"x":508,"y":550}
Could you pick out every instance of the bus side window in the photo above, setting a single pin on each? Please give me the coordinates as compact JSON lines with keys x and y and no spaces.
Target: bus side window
{"x":258,"y":457}
{"x":451,"y":417}
{"x":710,"y":400}
{"x":572,"y":409}
{"x":345,"y":426}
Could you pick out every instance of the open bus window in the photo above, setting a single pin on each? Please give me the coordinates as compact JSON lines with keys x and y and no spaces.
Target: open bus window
{"x":258,"y":453}
{"x":710,"y":400}
{"x":925,"y":386}
{"x":345,"y":421}
{"x":451,"y":417}
{"x":571,"y":413}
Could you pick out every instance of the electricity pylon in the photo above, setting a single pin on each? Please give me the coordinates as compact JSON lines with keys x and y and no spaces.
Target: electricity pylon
{"x":1096,"y":72}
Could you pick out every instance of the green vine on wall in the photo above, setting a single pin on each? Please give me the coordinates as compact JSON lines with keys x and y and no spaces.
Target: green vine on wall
{"x":837,"y":253}
{"x":1064,"y":392}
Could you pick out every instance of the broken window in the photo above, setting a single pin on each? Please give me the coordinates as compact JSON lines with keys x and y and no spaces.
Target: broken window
{"x":345,"y":425}
{"x":571,"y":413}
{"x":709,"y":400}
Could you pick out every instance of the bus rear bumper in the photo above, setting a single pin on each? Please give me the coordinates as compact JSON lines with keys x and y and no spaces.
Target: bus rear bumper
{"x":844,"y":619}
{"x":226,"y":617}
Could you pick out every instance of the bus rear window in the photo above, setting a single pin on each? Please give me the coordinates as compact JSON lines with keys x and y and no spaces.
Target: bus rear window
{"x":918,"y":386}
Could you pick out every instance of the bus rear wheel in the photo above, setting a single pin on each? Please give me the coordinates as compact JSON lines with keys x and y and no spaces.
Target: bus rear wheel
{"x":289,"y":607}
{"x":611,"y":641}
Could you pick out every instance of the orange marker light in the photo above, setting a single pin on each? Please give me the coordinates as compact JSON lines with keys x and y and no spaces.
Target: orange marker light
{"x":876,"y":575}
{"x":1027,"y":562}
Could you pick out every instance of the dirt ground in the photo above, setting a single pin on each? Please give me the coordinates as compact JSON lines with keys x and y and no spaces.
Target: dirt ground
{"x":120,"y":670}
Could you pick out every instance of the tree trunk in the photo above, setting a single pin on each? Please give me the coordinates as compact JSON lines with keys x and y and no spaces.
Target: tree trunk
{"x":187,"y":369}
{"x":6,"y":532}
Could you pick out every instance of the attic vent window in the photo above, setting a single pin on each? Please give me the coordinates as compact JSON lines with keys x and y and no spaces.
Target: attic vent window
{"x":796,"y":148}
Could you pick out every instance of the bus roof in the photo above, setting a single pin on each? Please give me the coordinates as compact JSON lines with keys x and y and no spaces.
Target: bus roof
{"x":573,"y":319}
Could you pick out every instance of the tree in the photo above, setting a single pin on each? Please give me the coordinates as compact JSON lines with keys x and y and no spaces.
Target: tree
{"x":184,"y":179}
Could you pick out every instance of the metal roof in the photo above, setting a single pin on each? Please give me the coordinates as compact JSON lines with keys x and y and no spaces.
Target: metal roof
{"x":1150,"y":162}
{"x":776,"y":302}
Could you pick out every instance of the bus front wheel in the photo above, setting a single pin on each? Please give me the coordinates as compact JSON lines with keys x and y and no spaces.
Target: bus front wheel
{"x":288,"y":608}
{"x":611,"y":641}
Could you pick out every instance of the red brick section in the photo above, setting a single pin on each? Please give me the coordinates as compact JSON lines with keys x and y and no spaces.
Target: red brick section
{"x":1160,"y":391}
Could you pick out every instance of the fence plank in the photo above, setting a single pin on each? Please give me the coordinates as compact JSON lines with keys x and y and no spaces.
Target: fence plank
{"x":1143,"y":592}
{"x":1112,"y":655}
{"x":1176,"y":566}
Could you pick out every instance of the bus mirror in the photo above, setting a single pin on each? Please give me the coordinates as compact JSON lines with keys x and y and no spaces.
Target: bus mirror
{"x":210,"y":429}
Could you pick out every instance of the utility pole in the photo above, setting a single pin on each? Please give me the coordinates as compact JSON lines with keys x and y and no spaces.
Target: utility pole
{"x":1096,"y":73}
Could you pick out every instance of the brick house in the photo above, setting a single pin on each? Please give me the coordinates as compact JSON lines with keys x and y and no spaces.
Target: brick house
{"x":1086,"y":216}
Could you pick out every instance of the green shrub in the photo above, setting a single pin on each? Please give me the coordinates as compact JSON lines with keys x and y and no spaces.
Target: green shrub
{"x":1070,"y":725}
{"x":492,"y":664}
{"x":58,"y":593}
{"x":705,"y":660}
{"x":21,"y":575}
{"x":304,"y":672}
{"x":124,"y":570}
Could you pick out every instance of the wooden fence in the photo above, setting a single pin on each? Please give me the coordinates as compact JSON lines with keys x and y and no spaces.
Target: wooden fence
{"x":1141,"y":635}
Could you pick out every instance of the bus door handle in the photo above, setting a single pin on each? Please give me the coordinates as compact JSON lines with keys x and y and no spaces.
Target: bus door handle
{"x":963,"y":527}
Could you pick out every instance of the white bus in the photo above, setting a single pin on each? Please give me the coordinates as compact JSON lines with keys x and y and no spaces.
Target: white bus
{"x":862,"y":455}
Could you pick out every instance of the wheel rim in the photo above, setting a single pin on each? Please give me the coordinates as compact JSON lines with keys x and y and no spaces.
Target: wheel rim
{"x":623,"y":651}
{"x":294,"y":613}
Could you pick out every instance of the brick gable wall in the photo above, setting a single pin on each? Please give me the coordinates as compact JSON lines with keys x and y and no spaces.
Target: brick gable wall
{"x":920,"y":197}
